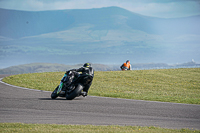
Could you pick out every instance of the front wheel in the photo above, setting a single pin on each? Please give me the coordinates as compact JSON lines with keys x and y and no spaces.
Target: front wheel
{"x":54,"y":94}
{"x":76,"y":92}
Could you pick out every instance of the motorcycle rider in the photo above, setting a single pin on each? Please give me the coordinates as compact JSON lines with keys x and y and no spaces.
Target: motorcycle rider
{"x":86,"y":69}
{"x":126,"y":66}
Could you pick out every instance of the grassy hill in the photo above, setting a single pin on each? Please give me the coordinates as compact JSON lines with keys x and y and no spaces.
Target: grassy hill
{"x":166,"y":85}
{"x":102,"y":35}
{"x":54,"y":67}
{"x":47,"y":67}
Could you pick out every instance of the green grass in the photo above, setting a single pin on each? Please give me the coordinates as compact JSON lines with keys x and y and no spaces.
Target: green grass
{"x":166,"y":85}
{"x":51,"y":128}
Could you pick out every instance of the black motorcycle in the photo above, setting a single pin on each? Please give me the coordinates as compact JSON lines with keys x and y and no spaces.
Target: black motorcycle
{"x":72,"y":85}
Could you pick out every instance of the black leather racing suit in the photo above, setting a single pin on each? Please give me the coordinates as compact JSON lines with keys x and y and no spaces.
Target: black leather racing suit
{"x":85,"y":70}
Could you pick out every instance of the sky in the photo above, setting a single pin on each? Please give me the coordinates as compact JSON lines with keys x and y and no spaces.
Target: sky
{"x":154,"y":8}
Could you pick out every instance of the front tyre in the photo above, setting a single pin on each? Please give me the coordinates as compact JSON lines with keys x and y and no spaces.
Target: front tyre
{"x":76,"y":92}
{"x":54,"y":94}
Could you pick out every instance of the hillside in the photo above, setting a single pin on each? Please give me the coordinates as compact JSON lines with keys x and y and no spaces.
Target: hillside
{"x":29,"y":23}
{"x":50,"y":67}
{"x":104,"y":35}
{"x":47,"y":67}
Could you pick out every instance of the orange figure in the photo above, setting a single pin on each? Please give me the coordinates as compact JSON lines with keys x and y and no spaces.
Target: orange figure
{"x":126,"y":66}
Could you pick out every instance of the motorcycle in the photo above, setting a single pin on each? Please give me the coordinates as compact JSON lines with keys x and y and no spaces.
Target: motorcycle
{"x":72,"y":85}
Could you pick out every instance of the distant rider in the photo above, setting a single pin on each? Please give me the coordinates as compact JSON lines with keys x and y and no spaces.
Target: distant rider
{"x":126,"y":66}
{"x":86,"y":69}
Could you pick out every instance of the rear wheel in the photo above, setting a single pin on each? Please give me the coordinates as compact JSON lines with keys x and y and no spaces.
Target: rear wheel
{"x":76,"y":92}
{"x":54,"y":94}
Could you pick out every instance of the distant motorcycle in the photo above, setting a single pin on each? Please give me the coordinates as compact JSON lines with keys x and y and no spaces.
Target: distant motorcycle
{"x":71,"y":85}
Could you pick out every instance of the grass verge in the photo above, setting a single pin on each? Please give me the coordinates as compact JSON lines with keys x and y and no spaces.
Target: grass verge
{"x":166,"y":85}
{"x":51,"y":128}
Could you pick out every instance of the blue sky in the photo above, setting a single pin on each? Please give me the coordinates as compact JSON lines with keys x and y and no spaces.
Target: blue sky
{"x":155,"y":8}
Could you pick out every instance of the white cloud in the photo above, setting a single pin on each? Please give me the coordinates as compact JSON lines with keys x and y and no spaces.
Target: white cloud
{"x":156,"y":8}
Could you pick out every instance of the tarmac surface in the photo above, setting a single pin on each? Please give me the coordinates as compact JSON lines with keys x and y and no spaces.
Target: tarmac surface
{"x":33,"y":106}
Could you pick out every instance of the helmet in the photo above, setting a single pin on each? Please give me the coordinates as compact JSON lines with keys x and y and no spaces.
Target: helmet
{"x":87,"y":65}
{"x":127,"y":61}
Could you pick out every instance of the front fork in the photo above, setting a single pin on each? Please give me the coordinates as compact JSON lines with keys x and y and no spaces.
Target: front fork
{"x":61,"y":84}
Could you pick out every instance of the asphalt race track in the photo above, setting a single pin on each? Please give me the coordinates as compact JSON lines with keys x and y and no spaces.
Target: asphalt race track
{"x":30,"y":106}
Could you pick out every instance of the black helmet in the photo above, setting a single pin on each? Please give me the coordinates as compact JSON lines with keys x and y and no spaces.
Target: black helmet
{"x":87,"y":65}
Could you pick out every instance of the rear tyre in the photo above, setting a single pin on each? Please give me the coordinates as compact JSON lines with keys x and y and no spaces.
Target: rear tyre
{"x":54,"y":94}
{"x":76,"y":92}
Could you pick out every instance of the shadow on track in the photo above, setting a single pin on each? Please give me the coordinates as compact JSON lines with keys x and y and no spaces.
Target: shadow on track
{"x":60,"y":99}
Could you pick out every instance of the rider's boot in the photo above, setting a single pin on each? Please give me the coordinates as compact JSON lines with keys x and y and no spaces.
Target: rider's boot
{"x":84,"y":93}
